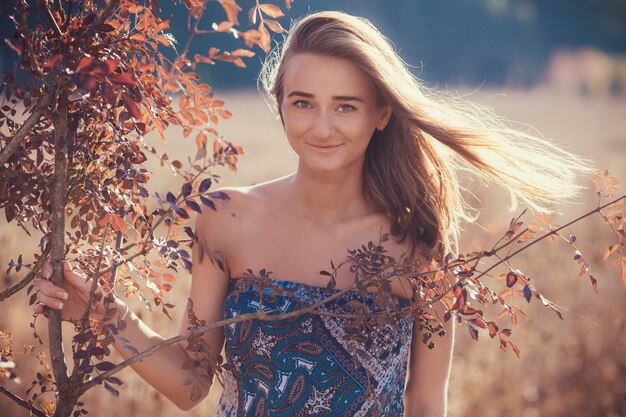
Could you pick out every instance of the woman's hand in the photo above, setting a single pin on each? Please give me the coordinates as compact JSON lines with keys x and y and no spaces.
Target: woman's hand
{"x":71,"y":299}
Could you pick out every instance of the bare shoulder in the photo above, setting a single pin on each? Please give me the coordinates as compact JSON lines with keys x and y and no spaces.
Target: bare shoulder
{"x":219,"y":211}
{"x":232,"y":209}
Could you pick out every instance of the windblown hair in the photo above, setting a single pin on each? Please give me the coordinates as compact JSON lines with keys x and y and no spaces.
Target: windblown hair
{"x":410,"y":170}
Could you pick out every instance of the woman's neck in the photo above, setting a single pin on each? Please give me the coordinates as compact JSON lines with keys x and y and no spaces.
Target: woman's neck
{"x":327,"y":197}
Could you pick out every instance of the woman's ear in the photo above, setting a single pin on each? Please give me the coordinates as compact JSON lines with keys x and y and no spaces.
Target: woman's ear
{"x":385,"y":115}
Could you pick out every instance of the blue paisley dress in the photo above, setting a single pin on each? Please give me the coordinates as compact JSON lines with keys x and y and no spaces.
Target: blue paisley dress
{"x":310,"y":365}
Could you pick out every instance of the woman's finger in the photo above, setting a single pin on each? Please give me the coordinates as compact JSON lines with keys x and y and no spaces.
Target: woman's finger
{"x":49,"y":289}
{"x":40,"y":308}
{"x":46,"y":269}
{"x":52,"y":302}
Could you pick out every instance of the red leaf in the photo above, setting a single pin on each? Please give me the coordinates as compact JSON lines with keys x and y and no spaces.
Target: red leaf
{"x":196,"y":393}
{"x":511,"y":279}
{"x":50,"y":63}
{"x":84,"y":63}
{"x":132,"y":107}
{"x":515,"y":349}
{"x":124,"y":78}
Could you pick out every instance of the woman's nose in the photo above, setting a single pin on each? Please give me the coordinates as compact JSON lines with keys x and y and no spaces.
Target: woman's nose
{"x":324,"y":126}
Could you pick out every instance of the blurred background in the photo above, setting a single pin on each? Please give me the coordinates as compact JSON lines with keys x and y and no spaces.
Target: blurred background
{"x":557,"y":68}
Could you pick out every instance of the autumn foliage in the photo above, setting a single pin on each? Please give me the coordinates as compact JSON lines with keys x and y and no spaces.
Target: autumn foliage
{"x":90,"y":82}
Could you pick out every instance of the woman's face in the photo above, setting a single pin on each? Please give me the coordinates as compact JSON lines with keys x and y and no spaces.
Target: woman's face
{"x":329,"y":111}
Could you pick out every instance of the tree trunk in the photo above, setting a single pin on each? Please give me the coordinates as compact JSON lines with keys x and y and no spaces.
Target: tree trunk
{"x":66,"y":398}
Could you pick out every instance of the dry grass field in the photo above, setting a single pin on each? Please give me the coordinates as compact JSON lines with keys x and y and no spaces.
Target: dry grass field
{"x":571,"y":368}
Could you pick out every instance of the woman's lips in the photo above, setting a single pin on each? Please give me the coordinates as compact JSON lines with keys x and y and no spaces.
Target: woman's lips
{"x":325,"y":147}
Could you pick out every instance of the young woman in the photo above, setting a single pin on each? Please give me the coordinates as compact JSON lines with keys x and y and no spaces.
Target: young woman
{"x":377,"y":152}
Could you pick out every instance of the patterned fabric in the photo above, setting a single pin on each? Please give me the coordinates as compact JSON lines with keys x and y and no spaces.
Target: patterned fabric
{"x":310,"y":365}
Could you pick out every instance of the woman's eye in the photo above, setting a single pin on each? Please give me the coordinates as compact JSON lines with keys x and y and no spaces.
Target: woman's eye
{"x":346,"y":108}
{"x":301,"y":104}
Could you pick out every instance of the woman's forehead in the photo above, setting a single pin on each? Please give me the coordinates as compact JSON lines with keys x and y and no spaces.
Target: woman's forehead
{"x":326,"y":77}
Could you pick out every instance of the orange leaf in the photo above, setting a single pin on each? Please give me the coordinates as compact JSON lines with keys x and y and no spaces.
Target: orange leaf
{"x":224,"y":26}
{"x":265,"y":39}
{"x":250,"y":37}
{"x":271,"y":10}
{"x":217,"y":147}
{"x":224,"y":113}
{"x":243,"y":52}
{"x":274,"y":26}
{"x":201,"y":140}
{"x":116,"y":222}
{"x":252,"y":15}
{"x":543,"y":218}
{"x":611,"y":250}
{"x":232,"y":9}
{"x":183,"y":103}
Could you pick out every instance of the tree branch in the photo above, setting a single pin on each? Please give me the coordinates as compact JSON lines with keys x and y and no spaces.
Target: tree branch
{"x":32,"y":409}
{"x":32,"y":120}
{"x":312,"y":309}
{"x":84,"y":320}
{"x":18,"y":286}
{"x":107,"y":12}
{"x":261,"y":315}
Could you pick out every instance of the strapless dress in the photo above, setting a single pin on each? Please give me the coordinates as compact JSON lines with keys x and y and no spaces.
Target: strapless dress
{"x":310,"y":365}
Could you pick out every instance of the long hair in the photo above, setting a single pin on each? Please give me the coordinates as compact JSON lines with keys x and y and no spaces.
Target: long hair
{"x":410,"y":170}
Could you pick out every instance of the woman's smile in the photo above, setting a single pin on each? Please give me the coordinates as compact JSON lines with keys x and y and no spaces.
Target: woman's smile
{"x":325,"y":148}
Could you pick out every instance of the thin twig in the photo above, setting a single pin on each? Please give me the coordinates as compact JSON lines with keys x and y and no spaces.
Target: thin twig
{"x":118,"y":244}
{"x":21,"y":133}
{"x":558,"y":229}
{"x":506,"y":258}
{"x":19,"y":400}
{"x":26,"y":280}
{"x":43,"y":5}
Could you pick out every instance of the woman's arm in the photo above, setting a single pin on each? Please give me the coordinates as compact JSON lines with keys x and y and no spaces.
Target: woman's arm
{"x":426,"y":392}
{"x":164,"y":368}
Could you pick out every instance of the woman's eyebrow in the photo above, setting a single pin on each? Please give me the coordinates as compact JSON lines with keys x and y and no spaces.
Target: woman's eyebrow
{"x":300,"y":94}
{"x":347,"y":98}
{"x":335,"y":98}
